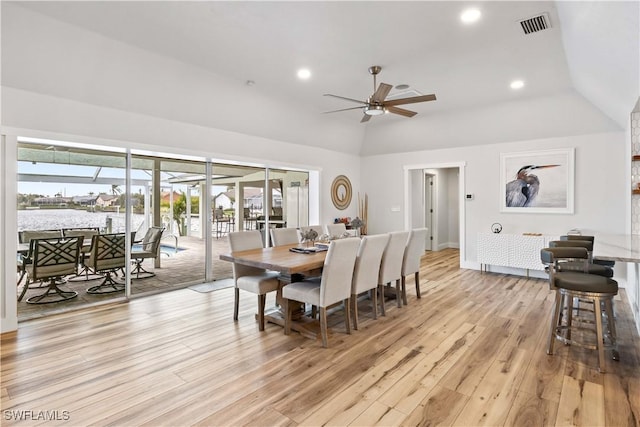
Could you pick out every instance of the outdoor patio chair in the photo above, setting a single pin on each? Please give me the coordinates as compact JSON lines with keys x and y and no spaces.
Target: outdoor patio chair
{"x":107,"y":255}
{"x":86,"y":234}
{"x":150,"y":245}
{"x":52,"y":260}
{"x":26,"y":257}
{"x":222,"y":223}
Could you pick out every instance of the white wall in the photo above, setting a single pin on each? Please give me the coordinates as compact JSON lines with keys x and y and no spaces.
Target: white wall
{"x":416,"y":187}
{"x":600,"y":191}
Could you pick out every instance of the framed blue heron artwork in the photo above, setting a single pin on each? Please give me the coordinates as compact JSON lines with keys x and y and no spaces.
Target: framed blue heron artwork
{"x":537,"y":181}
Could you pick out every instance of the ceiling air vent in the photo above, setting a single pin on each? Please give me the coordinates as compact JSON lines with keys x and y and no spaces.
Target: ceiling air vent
{"x":535,"y":24}
{"x":403,"y":94}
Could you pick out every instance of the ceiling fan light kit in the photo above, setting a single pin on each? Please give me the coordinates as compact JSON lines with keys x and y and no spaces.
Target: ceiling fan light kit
{"x":376,"y":105}
{"x":374,"y":110}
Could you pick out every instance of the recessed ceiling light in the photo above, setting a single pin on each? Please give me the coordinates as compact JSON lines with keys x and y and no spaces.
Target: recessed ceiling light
{"x":470,"y":15}
{"x":304,"y":73}
{"x":402,"y":87}
{"x":517,"y":84}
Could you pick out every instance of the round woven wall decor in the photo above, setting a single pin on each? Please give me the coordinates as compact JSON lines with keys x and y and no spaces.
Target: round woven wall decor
{"x":341,"y":192}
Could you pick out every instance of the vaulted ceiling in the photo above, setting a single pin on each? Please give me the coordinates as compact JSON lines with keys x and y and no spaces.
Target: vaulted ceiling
{"x":580,"y":75}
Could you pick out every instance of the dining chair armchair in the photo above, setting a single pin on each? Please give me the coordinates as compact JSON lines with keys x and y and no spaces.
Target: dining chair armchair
{"x":333,"y":287}
{"x":411,"y":260}
{"x":284,"y":236}
{"x":391,"y":266}
{"x":149,"y":250}
{"x":365,"y":272}
{"x":336,"y":230}
{"x":106,"y":257}
{"x":251,"y":279}
{"x":52,"y":260}
{"x":26,"y":258}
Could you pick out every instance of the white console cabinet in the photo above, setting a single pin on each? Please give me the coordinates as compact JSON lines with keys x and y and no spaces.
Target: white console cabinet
{"x":512,"y":250}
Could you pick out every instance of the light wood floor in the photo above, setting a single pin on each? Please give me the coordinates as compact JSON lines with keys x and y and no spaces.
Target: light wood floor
{"x":470,"y":352}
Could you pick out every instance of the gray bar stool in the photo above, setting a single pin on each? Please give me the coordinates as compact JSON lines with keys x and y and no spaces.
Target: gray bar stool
{"x":591,"y":239}
{"x":589,"y":266}
{"x":569,"y":285}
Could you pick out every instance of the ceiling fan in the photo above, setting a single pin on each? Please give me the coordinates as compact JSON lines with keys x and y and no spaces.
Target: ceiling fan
{"x":376,"y":104}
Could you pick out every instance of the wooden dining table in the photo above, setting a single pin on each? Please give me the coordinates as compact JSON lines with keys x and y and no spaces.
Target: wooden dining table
{"x":292,"y":266}
{"x":280,"y":259}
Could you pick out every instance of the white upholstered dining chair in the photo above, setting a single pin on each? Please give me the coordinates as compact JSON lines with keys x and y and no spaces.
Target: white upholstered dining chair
{"x":336,"y":230}
{"x":411,"y":261}
{"x":251,"y":279}
{"x":365,"y":273}
{"x":284,"y":236}
{"x":334,"y":286}
{"x":391,"y":265}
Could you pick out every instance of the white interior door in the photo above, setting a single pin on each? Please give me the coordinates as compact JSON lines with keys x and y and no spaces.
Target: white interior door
{"x":428,"y":209}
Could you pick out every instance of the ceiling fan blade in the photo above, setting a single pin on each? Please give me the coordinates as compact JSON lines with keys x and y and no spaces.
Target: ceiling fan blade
{"x":401,"y":111}
{"x":411,"y":100}
{"x":365,"y":118}
{"x":346,"y":99}
{"x":381,"y":93}
{"x":344,"y":109}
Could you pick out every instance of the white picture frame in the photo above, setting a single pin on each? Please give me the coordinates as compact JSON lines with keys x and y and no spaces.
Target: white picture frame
{"x":537,"y":181}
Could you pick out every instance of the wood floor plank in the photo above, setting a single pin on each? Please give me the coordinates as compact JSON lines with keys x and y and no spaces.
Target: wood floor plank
{"x":439,"y":408}
{"x":581,"y":403}
{"x":475,"y":363}
{"x":265,"y":417}
{"x":489,"y":405}
{"x":618,"y":397}
{"x":544,"y":376}
{"x":379,"y":415}
{"x":411,"y":390}
{"x":529,"y":410}
{"x":471,"y":351}
{"x":353,"y":400}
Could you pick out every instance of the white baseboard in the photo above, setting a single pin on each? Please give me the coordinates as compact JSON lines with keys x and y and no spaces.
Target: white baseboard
{"x":447,"y":245}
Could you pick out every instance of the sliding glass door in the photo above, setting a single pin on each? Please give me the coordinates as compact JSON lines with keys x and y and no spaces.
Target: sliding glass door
{"x":177,"y":210}
{"x":68,"y":190}
{"x":167,"y":221}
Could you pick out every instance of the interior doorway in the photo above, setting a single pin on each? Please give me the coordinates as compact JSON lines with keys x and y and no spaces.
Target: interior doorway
{"x":434,"y":198}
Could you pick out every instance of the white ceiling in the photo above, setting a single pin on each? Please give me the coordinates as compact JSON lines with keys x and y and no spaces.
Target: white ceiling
{"x":422,"y":44}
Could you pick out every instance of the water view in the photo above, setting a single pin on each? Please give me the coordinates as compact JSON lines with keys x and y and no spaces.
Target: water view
{"x":52,"y":219}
